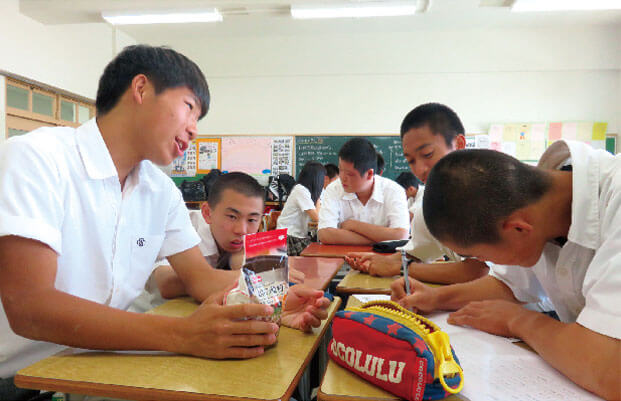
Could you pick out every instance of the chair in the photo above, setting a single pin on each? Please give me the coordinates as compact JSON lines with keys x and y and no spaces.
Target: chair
{"x":272,"y":219}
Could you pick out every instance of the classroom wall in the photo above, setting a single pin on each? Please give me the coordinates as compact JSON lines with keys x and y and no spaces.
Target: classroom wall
{"x":344,"y":83}
{"x":70,"y":57}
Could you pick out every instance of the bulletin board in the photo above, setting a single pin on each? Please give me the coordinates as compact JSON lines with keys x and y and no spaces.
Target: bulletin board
{"x":528,"y":141}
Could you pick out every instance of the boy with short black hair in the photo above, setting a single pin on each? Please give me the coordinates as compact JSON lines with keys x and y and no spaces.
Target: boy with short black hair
{"x":332,"y":174}
{"x":428,"y":133}
{"x":410,"y":183}
{"x":380,"y":164}
{"x":84,"y":214}
{"x":362,"y":207}
{"x":553,"y":231}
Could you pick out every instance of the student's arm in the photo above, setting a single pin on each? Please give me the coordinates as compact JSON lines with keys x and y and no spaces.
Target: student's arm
{"x":168,"y":282}
{"x":37,"y":310}
{"x":339,"y":236}
{"x":374,"y":232}
{"x":450,"y":297}
{"x":375,"y":264}
{"x":198,"y":277}
{"x":589,"y":359}
{"x":448,"y":273}
{"x":313,"y":214}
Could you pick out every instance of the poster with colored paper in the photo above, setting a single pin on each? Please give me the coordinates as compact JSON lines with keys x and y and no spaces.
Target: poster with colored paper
{"x":538,"y":132}
{"x":510,"y":133}
{"x":524,"y":132}
{"x":495,"y":133}
{"x":208,"y":154}
{"x":555,"y":131}
{"x":569,"y":130}
{"x":482,"y":142}
{"x":584,"y":131}
{"x":185,"y":166}
{"x":599,"y":131}
{"x":522,"y":150}
{"x":282,"y":155}
{"x":509,"y":148}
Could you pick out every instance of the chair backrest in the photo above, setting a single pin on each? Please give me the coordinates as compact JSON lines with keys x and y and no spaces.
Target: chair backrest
{"x":272,"y":219}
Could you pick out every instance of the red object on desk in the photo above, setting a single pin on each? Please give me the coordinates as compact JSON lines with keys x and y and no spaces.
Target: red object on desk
{"x":333,"y":251}
{"x":318,"y":272}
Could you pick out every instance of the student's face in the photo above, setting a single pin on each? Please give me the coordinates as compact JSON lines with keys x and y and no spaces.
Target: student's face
{"x":422,"y":150}
{"x":327,"y":180}
{"x":168,"y":123}
{"x":411,"y":192}
{"x":351,"y":179}
{"x":505,"y":252}
{"x":233,"y":217}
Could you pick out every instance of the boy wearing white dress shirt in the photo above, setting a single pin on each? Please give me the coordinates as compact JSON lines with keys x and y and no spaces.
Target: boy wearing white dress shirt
{"x":362,"y":207}
{"x":428,"y":132}
{"x":552,"y":231}
{"x":84,"y":214}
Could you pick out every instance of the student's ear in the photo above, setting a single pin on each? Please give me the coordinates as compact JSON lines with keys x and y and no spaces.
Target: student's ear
{"x":206,"y":212}
{"x":139,"y":87}
{"x":459,"y":142}
{"x":369,"y":174}
{"x":516,"y":227}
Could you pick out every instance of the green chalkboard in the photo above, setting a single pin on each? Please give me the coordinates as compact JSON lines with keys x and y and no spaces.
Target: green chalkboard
{"x":325,"y":149}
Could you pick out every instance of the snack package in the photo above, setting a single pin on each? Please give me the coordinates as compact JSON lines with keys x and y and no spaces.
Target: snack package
{"x":264,"y":276}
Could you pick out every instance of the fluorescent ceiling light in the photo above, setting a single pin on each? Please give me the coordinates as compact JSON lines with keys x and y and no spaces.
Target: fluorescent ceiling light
{"x":161,"y":17}
{"x":565,"y":5}
{"x":356,"y":10}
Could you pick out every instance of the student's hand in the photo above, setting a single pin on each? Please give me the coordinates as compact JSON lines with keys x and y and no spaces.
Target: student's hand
{"x":304,"y":308}
{"x":374,"y":264}
{"x":215,"y":331}
{"x":349,"y":225}
{"x":421,"y":300}
{"x":490,"y":316}
{"x":296,"y":276}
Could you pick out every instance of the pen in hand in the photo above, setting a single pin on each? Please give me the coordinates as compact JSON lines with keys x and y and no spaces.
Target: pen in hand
{"x":404,"y":270}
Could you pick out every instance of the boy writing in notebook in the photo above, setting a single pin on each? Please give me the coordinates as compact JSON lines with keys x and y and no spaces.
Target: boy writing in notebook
{"x":551,"y":231}
{"x":84,"y":214}
{"x":362,"y":207}
{"x":428,"y":133}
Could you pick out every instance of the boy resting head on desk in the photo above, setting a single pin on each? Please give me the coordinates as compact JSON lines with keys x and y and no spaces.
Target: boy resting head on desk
{"x":428,"y":133}
{"x":552,"y":231}
{"x":85,"y":213}
{"x":362,"y":207}
{"x":233,"y":209}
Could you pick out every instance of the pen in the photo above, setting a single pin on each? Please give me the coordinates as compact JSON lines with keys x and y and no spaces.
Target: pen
{"x":404,"y":270}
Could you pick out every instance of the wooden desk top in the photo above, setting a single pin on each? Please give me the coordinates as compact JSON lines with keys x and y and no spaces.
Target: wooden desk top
{"x":333,"y":251}
{"x":355,"y":282}
{"x":143,"y":376}
{"x":318,"y":271}
{"x":339,"y":384}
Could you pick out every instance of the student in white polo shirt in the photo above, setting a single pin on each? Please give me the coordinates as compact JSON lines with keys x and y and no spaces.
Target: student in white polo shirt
{"x":428,"y":132}
{"x":301,"y":207}
{"x":362,"y":207}
{"x":84,"y":214}
{"x":552,"y":231}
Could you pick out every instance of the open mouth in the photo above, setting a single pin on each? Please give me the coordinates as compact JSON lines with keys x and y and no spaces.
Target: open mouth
{"x":181,"y":146}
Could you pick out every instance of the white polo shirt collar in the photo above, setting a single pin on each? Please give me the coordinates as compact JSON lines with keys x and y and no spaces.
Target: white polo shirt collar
{"x":377,"y":195}
{"x":585,"y":223}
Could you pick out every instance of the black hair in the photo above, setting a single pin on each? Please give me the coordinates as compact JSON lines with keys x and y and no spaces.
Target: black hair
{"x":380,"y":163}
{"x":210,"y":178}
{"x":238,"y":182}
{"x":440,"y":119}
{"x":311,"y":177}
{"x":361,"y":153}
{"x":164,"y":67}
{"x":468,"y":192}
{"x":331,"y":170}
{"x":406,"y":179}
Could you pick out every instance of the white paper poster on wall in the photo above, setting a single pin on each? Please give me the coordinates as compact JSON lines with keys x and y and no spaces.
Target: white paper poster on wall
{"x":282,"y":151}
{"x":207,"y":155}
{"x":185,"y":166}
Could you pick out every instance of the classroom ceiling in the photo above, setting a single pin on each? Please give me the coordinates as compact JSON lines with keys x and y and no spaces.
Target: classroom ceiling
{"x":265,"y":17}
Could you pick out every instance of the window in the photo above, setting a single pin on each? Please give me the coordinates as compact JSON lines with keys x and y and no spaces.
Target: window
{"x":29,"y":107}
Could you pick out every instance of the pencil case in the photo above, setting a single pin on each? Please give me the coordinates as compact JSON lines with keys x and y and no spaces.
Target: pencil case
{"x":397,"y":350}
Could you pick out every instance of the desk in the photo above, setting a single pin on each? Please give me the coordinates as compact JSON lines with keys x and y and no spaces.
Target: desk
{"x":318,"y":272}
{"x":333,"y":251}
{"x":339,"y":384}
{"x":142,"y":376}
{"x":355,"y":282}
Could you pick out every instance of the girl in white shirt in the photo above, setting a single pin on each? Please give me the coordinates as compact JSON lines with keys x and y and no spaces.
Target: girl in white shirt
{"x":301,"y":207}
